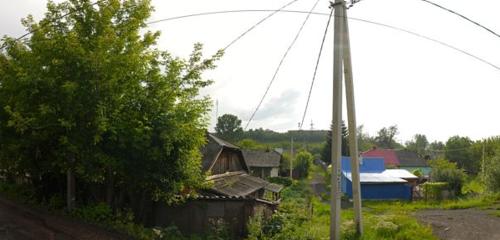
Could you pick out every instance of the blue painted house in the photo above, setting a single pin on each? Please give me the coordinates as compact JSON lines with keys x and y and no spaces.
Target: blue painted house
{"x":377,"y":182}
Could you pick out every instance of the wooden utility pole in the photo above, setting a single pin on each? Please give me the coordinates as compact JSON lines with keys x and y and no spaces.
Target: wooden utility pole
{"x":342,"y":61}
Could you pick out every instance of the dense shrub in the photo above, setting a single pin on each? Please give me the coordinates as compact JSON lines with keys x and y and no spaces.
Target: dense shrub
{"x":285,"y":181}
{"x":445,"y":171}
{"x":434,"y":190}
{"x":492,"y":173}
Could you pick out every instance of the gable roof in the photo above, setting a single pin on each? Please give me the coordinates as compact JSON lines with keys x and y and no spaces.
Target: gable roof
{"x":256,"y":158}
{"x":389,"y":155}
{"x":410,"y":159}
{"x":214,"y":148}
{"x":400,"y":173}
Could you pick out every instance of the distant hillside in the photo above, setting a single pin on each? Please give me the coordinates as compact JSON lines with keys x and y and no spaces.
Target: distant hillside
{"x":269,"y":136}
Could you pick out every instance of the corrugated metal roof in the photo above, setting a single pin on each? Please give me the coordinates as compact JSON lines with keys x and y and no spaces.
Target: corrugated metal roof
{"x":399,"y":173}
{"x":240,"y":184}
{"x":256,"y":158}
{"x":389,"y":155}
{"x":375,"y":178}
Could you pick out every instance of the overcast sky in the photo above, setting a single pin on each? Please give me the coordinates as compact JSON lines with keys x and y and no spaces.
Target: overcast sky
{"x":421,"y":86}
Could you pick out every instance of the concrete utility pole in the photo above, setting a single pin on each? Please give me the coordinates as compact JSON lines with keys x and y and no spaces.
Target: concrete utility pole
{"x":291,"y":158}
{"x":342,"y":61}
{"x":336,"y":121}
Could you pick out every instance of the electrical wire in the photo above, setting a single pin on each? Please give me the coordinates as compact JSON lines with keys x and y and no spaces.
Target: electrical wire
{"x":280,"y":63}
{"x":351,"y":18}
{"x":257,"y":24}
{"x":462,"y":16}
{"x":316,"y":69}
{"x":44,"y":25}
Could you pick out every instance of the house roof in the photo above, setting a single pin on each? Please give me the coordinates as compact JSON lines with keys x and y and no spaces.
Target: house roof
{"x":240,"y":184}
{"x":389,"y":155}
{"x":400,"y":173}
{"x":410,"y":159}
{"x":213,"y":149}
{"x":255,"y":158}
{"x":375,"y":178}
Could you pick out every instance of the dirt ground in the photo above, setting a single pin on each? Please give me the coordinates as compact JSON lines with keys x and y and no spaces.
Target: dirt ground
{"x":18,"y":222}
{"x":470,"y":224}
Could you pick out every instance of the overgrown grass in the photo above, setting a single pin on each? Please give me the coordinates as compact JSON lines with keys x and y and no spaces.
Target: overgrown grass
{"x":302,"y":216}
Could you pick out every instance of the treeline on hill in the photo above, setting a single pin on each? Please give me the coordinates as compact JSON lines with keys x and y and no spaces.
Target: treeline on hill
{"x":89,"y":98}
{"x":453,"y":160}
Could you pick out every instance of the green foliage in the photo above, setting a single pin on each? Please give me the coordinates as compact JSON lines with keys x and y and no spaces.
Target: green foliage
{"x":418,"y":172}
{"x":90,"y":92}
{"x":285,"y":181}
{"x":385,"y":137}
{"x":434,"y":190}
{"x":418,"y":144}
{"x":474,"y":187}
{"x":446,"y":171}
{"x":251,"y":144}
{"x":492,"y":173}
{"x":302,"y":163}
{"x":326,"y":151}
{"x":228,"y":127}
{"x":458,"y":150}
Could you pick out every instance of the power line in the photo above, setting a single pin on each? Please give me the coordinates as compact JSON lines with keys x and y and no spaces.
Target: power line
{"x":44,"y":25}
{"x":316,"y":68}
{"x":462,"y":16}
{"x":257,"y":24}
{"x":351,"y":18}
{"x":280,"y":63}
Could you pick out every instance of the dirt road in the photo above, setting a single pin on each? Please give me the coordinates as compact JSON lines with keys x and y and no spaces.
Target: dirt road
{"x":464,"y":224}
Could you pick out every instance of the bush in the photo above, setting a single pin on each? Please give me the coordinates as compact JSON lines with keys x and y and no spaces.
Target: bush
{"x":492,"y":173}
{"x":434,"y":190}
{"x":285,"y":181}
{"x":445,"y":171}
{"x":386,"y":228}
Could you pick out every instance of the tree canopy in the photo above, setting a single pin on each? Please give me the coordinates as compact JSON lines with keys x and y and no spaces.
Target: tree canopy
{"x":89,"y":91}
{"x":228,"y":127}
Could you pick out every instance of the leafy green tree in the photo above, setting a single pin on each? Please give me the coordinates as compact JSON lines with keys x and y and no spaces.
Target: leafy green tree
{"x":458,"y":150}
{"x":492,"y":173}
{"x":228,"y":127}
{"x":365,"y":142}
{"x":446,"y":171}
{"x":418,"y":144}
{"x":302,"y":163}
{"x":326,"y":152}
{"x":89,"y":94}
{"x":385,"y":137}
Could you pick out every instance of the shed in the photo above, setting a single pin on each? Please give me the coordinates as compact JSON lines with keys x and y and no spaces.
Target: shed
{"x":376,"y":182}
{"x":262,"y":164}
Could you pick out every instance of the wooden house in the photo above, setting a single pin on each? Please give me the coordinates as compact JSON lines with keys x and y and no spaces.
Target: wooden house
{"x":233,"y":196}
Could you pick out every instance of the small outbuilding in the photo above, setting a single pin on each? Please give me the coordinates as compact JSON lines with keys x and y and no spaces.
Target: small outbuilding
{"x":262,"y":164}
{"x":376,"y":182}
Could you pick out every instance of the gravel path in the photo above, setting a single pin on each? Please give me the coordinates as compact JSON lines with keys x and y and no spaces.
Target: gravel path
{"x":464,"y":224}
